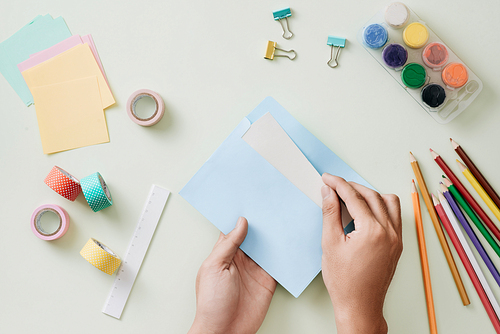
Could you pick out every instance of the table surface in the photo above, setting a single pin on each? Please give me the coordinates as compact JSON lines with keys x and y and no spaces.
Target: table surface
{"x":205,"y":58}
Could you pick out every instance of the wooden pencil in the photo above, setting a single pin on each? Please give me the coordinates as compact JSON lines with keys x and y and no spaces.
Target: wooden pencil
{"x":477,"y":174}
{"x":439,"y":230}
{"x":423,"y":259}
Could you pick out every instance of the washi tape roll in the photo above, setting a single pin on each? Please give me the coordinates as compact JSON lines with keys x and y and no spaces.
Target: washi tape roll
{"x":140,"y":94}
{"x":36,"y":225}
{"x":100,"y":256}
{"x":63,"y":183}
{"x":96,"y":192}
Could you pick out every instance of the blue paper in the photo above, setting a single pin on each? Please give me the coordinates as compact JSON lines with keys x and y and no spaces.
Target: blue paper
{"x":40,"y":34}
{"x":284,"y":234}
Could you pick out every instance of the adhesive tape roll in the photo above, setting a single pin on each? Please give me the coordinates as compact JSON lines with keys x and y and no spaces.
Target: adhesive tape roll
{"x":36,"y":225}
{"x":132,"y":102}
{"x":63,"y":183}
{"x":100,"y":256}
{"x":96,"y":192}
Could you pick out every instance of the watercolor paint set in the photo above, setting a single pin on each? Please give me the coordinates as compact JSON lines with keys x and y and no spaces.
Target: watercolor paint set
{"x":436,"y":78}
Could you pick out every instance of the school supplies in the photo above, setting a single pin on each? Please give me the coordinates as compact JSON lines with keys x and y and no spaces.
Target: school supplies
{"x":36,"y":225}
{"x":63,"y":183}
{"x":420,"y":62}
{"x":439,"y":230}
{"x":284,"y":14}
{"x":157,"y":114}
{"x":339,"y":43}
{"x":272,"y":47}
{"x":139,"y":243}
{"x":477,"y":174}
{"x":96,"y":192}
{"x":431,"y":313}
{"x":100,"y":256}
{"x":285,"y":225}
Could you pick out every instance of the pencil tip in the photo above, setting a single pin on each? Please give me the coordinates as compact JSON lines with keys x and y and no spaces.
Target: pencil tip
{"x":454,"y":144}
{"x":413,"y":186}
{"x":434,"y":154}
{"x":434,"y":200}
{"x":412,"y":157}
{"x":447,"y":182}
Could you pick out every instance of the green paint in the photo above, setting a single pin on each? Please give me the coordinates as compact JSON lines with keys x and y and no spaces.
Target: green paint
{"x":413,"y":75}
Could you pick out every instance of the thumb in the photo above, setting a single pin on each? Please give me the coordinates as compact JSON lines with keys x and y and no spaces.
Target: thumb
{"x":332,"y":218}
{"x":227,"y":245}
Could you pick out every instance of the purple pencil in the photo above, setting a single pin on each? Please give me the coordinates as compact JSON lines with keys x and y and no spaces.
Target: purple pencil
{"x":470,"y":233}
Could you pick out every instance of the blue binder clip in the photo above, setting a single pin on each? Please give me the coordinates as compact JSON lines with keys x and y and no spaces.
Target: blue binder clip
{"x":335,"y":42}
{"x":281,"y":14}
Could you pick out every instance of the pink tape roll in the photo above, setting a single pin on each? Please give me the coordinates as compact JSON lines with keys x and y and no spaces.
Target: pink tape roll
{"x":36,"y":224}
{"x":135,"y":97}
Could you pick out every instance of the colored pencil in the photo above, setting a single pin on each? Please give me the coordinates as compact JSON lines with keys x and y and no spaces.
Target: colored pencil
{"x":479,"y":189}
{"x":439,"y":230}
{"x":423,"y":259}
{"x":476,"y":275}
{"x":468,"y":210}
{"x":489,"y":223}
{"x":477,"y":174}
{"x":472,"y":236}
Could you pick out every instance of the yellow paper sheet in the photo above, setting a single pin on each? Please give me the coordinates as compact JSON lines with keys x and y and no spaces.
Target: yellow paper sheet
{"x":70,"y":115}
{"x":76,"y":63}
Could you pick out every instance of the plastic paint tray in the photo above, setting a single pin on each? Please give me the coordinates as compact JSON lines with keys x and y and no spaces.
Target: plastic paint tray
{"x":456,"y":100}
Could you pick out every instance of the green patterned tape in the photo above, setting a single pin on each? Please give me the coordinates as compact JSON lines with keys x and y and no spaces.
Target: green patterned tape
{"x":96,"y":192}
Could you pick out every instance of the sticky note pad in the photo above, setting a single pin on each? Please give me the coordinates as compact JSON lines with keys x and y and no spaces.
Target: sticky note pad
{"x":76,"y":63}
{"x":70,"y":115}
{"x":39,"y":34}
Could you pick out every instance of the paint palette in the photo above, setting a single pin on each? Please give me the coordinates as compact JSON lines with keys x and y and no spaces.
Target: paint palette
{"x":420,"y":61}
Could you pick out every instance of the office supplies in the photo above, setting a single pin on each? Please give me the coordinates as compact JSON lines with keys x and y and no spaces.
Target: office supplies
{"x":132,"y":261}
{"x":468,"y":210}
{"x":477,"y":174}
{"x":100,"y":256}
{"x":36,"y":225}
{"x":431,"y":313}
{"x":96,"y":192}
{"x":285,"y":225}
{"x":63,"y":183}
{"x":398,"y":24}
{"x":338,"y":42}
{"x":271,"y":48}
{"x":472,"y":202}
{"x":476,"y":275}
{"x":157,"y":114}
{"x":281,"y":14}
{"x":470,"y":233}
{"x":439,"y":230}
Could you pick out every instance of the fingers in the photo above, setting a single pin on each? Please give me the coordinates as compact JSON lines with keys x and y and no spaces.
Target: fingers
{"x":227,"y":245}
{"x":332,"y":218}
{"x":394,"y":209}
{"x":376,"y":204}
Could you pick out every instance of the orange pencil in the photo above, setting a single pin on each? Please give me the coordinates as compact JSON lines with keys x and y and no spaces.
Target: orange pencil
{"x":423,"y":259}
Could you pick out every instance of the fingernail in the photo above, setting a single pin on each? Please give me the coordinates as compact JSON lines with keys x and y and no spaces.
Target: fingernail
{"x":239,"y":222}
{"x":325,"y":191}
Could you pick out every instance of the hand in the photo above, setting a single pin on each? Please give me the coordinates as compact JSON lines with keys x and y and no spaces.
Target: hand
{"x":232,"y":292}
{"x":358,"y":267}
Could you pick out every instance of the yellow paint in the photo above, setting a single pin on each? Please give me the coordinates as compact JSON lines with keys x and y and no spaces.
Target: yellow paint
{"x":415,"y":35}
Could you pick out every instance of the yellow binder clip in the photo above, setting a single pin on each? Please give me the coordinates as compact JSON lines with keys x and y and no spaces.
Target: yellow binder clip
{"x":271,"y":48}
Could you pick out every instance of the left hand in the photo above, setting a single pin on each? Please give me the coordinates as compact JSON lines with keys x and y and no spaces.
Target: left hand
{"x":232,"y":292}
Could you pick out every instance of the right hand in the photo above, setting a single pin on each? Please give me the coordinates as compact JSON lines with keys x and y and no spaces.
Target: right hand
{"x":358,"y":267}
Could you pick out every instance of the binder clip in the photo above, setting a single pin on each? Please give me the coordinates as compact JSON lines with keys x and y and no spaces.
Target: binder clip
{"x":335,"y":42}
{"x":271,"y":48}
{"x":284,"y":14}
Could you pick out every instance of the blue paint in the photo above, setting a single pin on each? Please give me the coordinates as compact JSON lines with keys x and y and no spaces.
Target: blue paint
{"x":375,"y":36}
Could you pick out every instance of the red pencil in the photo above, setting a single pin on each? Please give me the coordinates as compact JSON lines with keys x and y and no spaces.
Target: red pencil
{"x":480,"y":212}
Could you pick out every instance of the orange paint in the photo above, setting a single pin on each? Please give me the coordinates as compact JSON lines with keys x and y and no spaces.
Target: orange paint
{"x":455,"y":75}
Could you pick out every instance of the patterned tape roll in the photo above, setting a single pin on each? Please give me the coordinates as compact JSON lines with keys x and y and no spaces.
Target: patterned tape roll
{"x":132,"y":102}
{"x":36,"y":225}
{"x":63,"y":183}
{"x":100,"y":256}
{"x":96,"y":192}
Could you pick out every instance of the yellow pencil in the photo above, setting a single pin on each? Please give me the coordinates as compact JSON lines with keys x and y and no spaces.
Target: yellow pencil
{"x":479,"y":189}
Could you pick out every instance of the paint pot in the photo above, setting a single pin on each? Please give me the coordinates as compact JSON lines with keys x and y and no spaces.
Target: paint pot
{"x":435,"y":55}
{"x":395,"y":55}
{"x":413,"y":75}
{"x":375,"y":36}
{"x":415,"y":35}
{"x":455,"y":75}
{"x":433,"y":95}
{"x":397,"y":15}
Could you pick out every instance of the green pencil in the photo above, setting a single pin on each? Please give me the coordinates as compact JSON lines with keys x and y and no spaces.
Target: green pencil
{"x":472,"y":215}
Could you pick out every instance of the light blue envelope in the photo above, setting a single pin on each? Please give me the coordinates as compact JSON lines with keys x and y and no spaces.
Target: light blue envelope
{"x":284,"y":233}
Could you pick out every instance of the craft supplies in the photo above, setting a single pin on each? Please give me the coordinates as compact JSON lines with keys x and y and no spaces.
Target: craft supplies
{"x":139,"y":243}
{"x":96,"y":192}
{"x":272,"y":47}
{"x":423,"y":259}
{"x":36,"y":224}
{"x":338,"y":42}
{"x":157,"y":114}
{"x":284,"y":14}
{"x":63,"y":183}
{"x":437,"y":79}
{"x":100,"y":256}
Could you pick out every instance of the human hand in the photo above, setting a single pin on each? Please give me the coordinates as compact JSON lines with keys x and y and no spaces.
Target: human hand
{"x":232,"y":292}
{"x":358,"y":267}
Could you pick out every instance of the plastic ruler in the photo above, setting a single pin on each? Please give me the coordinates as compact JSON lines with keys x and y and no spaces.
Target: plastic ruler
{"x":136,"y":251}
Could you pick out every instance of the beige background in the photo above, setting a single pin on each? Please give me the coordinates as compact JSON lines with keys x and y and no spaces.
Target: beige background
{"x":205,"y":58}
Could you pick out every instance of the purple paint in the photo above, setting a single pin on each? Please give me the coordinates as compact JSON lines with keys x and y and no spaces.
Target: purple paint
{"x":395,"y":55}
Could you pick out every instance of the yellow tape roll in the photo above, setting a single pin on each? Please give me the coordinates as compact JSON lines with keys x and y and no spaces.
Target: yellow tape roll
{"x":100,"y":256}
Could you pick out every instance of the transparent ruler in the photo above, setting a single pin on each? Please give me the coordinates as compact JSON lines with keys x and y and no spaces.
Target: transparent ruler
{"x":136,"y":251}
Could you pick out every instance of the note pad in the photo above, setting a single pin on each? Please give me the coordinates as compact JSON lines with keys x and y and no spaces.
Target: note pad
{"x":285,"y":224}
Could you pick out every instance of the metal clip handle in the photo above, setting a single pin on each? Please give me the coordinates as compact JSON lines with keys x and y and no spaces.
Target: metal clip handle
{"x":287,"y":51}
{"x":287,"y":33}
{"x":337,"y":54}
